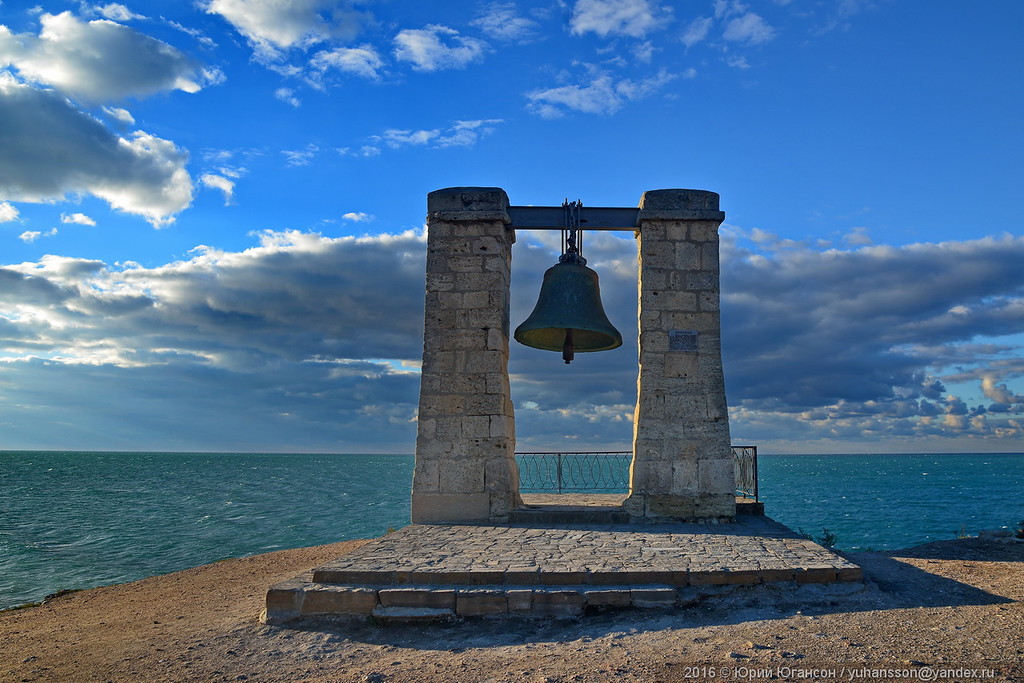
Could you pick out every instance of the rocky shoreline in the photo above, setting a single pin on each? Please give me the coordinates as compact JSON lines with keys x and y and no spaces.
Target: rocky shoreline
{"x":951,"y":610}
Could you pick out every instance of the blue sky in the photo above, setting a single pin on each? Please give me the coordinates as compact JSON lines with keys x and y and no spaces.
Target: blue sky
{"x":211,"y":213}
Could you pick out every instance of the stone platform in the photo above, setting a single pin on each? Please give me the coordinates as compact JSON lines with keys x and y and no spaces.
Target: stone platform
{"x":438,"y":572}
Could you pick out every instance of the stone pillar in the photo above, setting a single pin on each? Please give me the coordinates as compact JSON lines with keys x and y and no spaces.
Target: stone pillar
{"x":682,"y":460}
{"x":465,"y":464}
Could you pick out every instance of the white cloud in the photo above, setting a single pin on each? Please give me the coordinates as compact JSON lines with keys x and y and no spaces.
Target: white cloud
{"x":437,"y":47}
{"x":8,"y":212}
{"x":357,"y":217}
{"x":287,"y":95}
{"x":100,"y":60}
{"x":467,"y":133}
{"x":633,"y":18}
{"x":643,"y":52}
{"x":858,"y":237}
{"x":395,"y":138}
{"x":30,"y":236}
{"x":360,"y":61}
{"x":999,"y":393}
{"x":122,"y":115}
{"x":273,"y":24}
{"x":221,"y":183}
{"x":49,"y":149}
{"x":115,"y":12}
{"x":749,"y":28}
{"x":600,"y":95}
{"x":76,"y":218}
{"x":502,"y":21}
{"x":737,"y":62}
{"x":301,"y":157}
{"x":697,"y":31}
{"x":459,"y":134}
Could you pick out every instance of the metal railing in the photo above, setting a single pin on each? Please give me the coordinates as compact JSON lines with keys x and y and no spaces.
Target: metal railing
{"x":592,"y":472}
{"x":744,"y":460}
{"x":608,"y":471}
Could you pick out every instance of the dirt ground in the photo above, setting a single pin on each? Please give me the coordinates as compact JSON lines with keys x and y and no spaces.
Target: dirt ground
{"x":952,"y":610}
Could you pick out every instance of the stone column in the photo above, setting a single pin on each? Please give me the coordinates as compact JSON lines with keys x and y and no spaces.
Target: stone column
{"x":465,"y":465}
{"x":682,"y":460}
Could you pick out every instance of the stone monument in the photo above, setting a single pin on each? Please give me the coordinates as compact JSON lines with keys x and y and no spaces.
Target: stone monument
{"x":465,"y":468}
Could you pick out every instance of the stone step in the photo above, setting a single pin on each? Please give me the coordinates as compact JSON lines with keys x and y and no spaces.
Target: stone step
{"x":296,"y":599}
{"x":569,"y":514}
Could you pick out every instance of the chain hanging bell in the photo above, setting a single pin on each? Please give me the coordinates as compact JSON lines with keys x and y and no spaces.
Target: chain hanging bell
{"x":569,"y":316}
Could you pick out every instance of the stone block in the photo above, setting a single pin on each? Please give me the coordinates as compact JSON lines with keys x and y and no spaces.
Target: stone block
{"x":773,"y":575}
{"x":284,"y":601}
{"x":519,"y":600}
{"x":437,"y":598}
{"x":484,"y":577}
{"x":476,"y":299}
{"x":339,"y":600}
{"x":486,"y":361}
{"x":557,"y":603}
{"x":426,"y":476}
{"x":709,"y":301}
{"x":476,"y":426}
{"x":702,"y":281}
{"x":709,"y":257}
{"x":563,"y":578}
{"x":688,"y":256}
{"x":449,"y":508}
{"x":815,"y":575}
{"x":477,"y":603}
{"x":684,"y":477}
{"x":678,"y":301}
{"x":652,"y":597}
{"x":681,"y":364}
{"x":850,"y":574}
{"x":472,"y":200}
{"x":522,"y":577}
{"x":704,"y":231}
{"x":465,"y":476}
{"x":440,"y":282}
{"x":679,"y":200}
{"x":500,"y":474}
{"x":703,"y":323}
{"x":606,"y":597}
{"x":672,"y":506}
{"x":716,"y":476}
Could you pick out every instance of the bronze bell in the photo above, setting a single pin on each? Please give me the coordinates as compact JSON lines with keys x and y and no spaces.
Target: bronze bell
{"x":569,"y":316}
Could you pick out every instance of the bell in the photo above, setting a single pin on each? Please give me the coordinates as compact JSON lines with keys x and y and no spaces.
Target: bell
{"x":569,"y":316}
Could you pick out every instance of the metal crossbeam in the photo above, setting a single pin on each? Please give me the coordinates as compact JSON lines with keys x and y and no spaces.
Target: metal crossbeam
{"x":591,"y":218}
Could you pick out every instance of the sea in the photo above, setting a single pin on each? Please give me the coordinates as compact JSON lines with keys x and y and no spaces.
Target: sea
{"x":71,"y":520}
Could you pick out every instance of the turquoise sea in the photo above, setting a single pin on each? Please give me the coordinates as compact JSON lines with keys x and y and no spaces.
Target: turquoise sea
{"x":77,"y":520}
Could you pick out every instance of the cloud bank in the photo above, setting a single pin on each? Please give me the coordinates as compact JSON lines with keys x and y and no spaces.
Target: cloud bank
{"x":906,"y":348}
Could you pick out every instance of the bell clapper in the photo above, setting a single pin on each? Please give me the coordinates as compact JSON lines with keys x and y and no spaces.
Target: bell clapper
{"x":567,"y":348}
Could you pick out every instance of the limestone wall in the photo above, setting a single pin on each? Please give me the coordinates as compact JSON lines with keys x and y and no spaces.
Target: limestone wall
{"x":465,"y":465}
{"x":682,"y":464}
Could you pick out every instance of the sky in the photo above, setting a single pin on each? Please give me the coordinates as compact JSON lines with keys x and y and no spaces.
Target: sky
{"x":212,"y":213}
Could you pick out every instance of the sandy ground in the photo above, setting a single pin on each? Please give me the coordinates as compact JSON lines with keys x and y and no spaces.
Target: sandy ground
{"x":952,"y":610}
